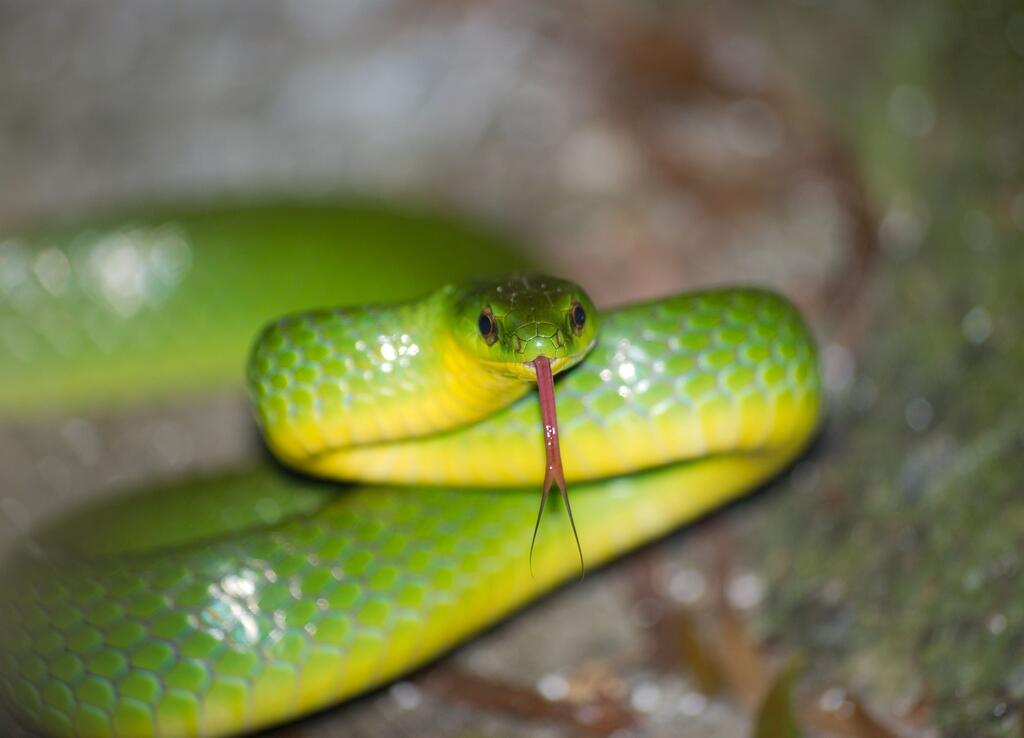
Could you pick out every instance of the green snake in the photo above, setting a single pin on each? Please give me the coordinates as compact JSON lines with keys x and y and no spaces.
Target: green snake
{"x":237,"y":602}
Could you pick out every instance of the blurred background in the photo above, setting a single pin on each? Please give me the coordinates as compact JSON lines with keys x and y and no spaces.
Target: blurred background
{"x":862,"y":157}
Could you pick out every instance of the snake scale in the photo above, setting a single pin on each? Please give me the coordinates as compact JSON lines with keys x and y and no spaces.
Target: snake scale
{"x":232,"y":603}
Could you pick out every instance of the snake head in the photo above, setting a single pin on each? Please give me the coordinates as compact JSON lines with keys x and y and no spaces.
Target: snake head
{"x":507,"y":323}
{"x":530,"y":327}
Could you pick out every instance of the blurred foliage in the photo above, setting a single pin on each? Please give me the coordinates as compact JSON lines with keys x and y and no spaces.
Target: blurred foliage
{"x":775,"y":719}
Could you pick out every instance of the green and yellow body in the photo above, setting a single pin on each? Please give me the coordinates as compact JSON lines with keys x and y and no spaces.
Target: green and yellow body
{"x":229,"y":604}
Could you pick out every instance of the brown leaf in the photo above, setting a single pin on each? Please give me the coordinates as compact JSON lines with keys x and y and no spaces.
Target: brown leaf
{"x":852,"y":720}
{"x":740,"y":659}
{"x":739,"y":656}
{"x":597,"y":718}
{"x":694,"y":654}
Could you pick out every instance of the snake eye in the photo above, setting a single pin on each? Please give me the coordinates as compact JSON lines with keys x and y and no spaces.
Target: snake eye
{"x":578,"y":318}
{"x":488,"y":327}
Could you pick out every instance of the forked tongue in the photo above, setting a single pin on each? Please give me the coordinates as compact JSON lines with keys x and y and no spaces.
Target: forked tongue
{"x":553,"y":470}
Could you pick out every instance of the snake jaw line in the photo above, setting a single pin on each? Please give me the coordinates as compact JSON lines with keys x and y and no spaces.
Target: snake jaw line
{"x":553,"y":473}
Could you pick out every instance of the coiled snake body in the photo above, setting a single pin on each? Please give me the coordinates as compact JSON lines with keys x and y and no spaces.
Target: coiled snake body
{"x":243,"y":601}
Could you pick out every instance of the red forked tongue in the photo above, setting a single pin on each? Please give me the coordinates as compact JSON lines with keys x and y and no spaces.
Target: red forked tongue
{"x":553,"y":470}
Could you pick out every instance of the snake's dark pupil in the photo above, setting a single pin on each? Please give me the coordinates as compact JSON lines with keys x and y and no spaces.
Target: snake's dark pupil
{"x":486,"y":325}
{"x":579,"y":316}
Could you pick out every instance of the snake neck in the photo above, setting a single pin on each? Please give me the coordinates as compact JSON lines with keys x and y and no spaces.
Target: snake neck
{"x":333,"y":379}
{"x":468,"y":390}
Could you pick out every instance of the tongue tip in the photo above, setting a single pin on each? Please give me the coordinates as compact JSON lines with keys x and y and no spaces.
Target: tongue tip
{"x":553,"y":472}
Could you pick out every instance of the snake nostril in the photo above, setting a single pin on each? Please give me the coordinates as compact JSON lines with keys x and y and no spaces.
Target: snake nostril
{"x":518,"y":345}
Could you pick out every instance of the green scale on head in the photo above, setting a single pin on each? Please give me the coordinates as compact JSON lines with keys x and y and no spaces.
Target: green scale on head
{"x":508,"y":323}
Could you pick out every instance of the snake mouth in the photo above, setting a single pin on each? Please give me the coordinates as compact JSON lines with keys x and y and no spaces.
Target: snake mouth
{"x":557,"y":364}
